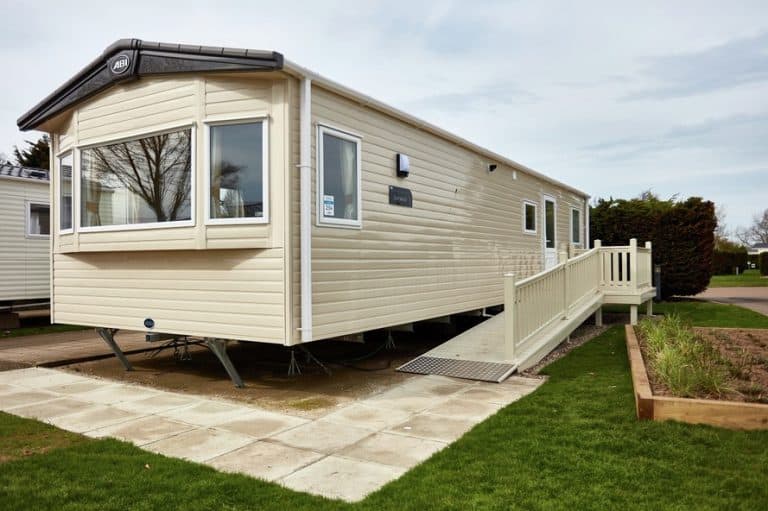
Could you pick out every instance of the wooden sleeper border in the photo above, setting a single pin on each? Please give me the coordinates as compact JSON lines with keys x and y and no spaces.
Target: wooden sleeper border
{"x":725,"y":414}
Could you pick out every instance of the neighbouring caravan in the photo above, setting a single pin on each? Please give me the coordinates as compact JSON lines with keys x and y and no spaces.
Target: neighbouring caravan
{"x":231,"y":194}
{"x":24,"y":235}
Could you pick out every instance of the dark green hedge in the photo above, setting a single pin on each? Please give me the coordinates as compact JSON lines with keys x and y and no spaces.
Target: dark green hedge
{"x":725,"y":262}
{"x":682,"y":234}
{"x":763,"y":260}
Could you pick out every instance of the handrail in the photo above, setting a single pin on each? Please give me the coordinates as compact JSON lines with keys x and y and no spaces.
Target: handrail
{"x":533,"y":303}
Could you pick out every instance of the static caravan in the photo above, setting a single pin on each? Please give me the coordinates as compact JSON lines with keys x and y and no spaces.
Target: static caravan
{"x":24,"y":235}
{"x":230,"y":194}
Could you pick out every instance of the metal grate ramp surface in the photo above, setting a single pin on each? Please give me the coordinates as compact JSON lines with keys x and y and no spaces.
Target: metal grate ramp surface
{"x":467,"y":369}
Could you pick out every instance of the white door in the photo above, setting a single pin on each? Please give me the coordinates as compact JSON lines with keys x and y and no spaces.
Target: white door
{"x":550,"y":230}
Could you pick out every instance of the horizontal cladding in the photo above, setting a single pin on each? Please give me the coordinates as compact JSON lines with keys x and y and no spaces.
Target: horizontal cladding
{"x":137,"y":107}
{"x":24,"y":273}
{"x":238,"y":294}
{"x":233,"y":96}
{"x":445,"y":255}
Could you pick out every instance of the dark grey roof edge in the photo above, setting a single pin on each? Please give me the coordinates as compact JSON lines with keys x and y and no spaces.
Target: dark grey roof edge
{"x":21,"y":172}
{"x":67,"y":94}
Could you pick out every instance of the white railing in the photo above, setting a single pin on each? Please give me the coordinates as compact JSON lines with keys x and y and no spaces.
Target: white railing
{"x":534,"y":303}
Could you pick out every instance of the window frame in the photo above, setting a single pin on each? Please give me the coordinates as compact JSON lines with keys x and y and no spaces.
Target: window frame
{"x":570,"y":223}
{"x":265,"y":190}
{"x":322,"y":220}
{"x":535,"y":230}
{"x":28,"y":217}
{"x":59,"y":180}
{"x":148,"y":225}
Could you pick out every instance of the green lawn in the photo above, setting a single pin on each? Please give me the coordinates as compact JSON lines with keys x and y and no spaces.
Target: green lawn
{"x":702,"y":313}
{"x":750,"y":278}
{"x":572,"y":444}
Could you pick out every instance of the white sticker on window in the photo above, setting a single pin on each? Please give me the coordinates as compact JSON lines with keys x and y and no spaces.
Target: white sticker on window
{"x":328,"y":205}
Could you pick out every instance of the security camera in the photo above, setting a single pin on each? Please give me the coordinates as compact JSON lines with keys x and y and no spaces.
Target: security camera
{"x":491,"y":167}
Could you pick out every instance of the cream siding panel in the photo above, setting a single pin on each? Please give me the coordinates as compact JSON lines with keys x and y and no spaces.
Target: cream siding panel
{"x":445,"y":255}
{"x":234,"y":294}
{"x":237,"y":96}
{"x":24,"y":267}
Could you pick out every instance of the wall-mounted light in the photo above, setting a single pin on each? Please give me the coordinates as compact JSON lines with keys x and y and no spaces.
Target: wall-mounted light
{"x":491,"y":167}
{"x":402,"y":164}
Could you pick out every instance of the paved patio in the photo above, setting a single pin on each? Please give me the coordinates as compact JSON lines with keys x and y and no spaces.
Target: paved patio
{"x":351,"y":451}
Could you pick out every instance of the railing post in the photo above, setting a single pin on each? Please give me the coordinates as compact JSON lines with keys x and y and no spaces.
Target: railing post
{"x":563,"y":259}
{"x":599,"y":246}
{"x":510,"y":315}
{"x":633,"y":262}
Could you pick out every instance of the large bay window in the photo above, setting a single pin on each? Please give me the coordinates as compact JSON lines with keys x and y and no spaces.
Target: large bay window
{"x":338,"y":163}
{"x":143,"y":181}
{"x":237,"y":172}
{"x":65,"y":193}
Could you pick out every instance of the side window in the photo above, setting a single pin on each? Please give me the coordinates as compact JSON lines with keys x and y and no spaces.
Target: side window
{"x":338,"y":164}
{"x":38,"y":220}
{"x":575,"y":226}
{"x":529,"y":217}
{"x":237,"y":172}
{"x":65,"y":192}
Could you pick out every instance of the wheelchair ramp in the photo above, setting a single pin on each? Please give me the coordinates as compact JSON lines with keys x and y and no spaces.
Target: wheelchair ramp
{"x":477,"y":354}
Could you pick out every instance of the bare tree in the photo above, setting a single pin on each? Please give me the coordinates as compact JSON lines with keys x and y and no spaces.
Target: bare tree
{"x":157,"y":169}
{"x":755,"y":233}
{"x":721,"y":231}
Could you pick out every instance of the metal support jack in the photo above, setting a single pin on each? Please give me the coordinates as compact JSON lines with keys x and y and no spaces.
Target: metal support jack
{"x":293,"y":366}
{"x":108,"y":334}
{"x":219,"y":348}
{"x":312,"y":358}
{"x":389,"y":345}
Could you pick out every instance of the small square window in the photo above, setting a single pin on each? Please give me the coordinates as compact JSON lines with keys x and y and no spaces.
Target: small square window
{"x":529,"y":217}
{"x":38,"y":219}
{"x":338,"y":158}
{"x":575,"y":226}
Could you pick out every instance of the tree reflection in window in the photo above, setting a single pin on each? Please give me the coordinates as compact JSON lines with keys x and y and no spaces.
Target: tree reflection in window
{"x":146,"y":180}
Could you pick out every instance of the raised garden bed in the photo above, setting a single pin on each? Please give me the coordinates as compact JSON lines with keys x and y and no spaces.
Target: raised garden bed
{"x":737,"y":414}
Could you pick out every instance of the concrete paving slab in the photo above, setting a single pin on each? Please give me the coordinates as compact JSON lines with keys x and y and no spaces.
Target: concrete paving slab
{"x":261,"y":424}
{"x":200,"y":444}
{"x":143,"y":430}
{"x":47,"y":410}
{"x":433,"y":427}
{"x":47,"y":378}
{"x":487,"y":394}
{"x":207,"y":413}
{"x":436,"y":385}
{"x":323,"y":436}
{"x":17,"y":374}
{"x":465,"y":409}
{"x":112,"y":393}
{"x":394,"y":450}
{"x":342,"y":478}
{"x":93,"y":417}
{"x":368,"y":415}
{"x":404,"y":399}
{"x":24,"y":397}
{"x":76,"y":388}
{"x":265,"y":460}
{"x":161,"y":402}
{"x":9,"y":389}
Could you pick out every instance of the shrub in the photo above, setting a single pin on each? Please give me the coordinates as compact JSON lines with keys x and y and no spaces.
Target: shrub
{"x":763,"y":263}
{"x":682,"y":360}
{"x":682,"y":234}
{"x":724,"y":262}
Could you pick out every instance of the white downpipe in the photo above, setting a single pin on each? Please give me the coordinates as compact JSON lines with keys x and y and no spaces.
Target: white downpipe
{"x":586,"y":223}
{"x":305,"y":166}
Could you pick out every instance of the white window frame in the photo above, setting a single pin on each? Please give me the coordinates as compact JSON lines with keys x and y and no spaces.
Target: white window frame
{"x":218,"y":121}
{"x":28,"y":219}
{"x":152,"y":225}
{"x":570,"y":224}
{"x":59,"y":157}
{"x":535,"y":217}
{"x":322,"y":220}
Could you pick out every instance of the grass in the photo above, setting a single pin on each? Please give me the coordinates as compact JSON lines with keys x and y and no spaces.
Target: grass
{"x":20,"y":438}
{"x":750,"y":278}
{"x":702,"y":313}
{"x":37,"y":330}
{"x":573,"y":444}
{"x":682,"y":360}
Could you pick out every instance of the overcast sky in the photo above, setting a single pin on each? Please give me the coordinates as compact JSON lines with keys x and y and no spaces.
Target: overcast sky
{"x":611,"y":97}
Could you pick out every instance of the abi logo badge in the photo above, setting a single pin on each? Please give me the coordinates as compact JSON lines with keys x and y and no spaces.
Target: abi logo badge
{"x":120,"y":65}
